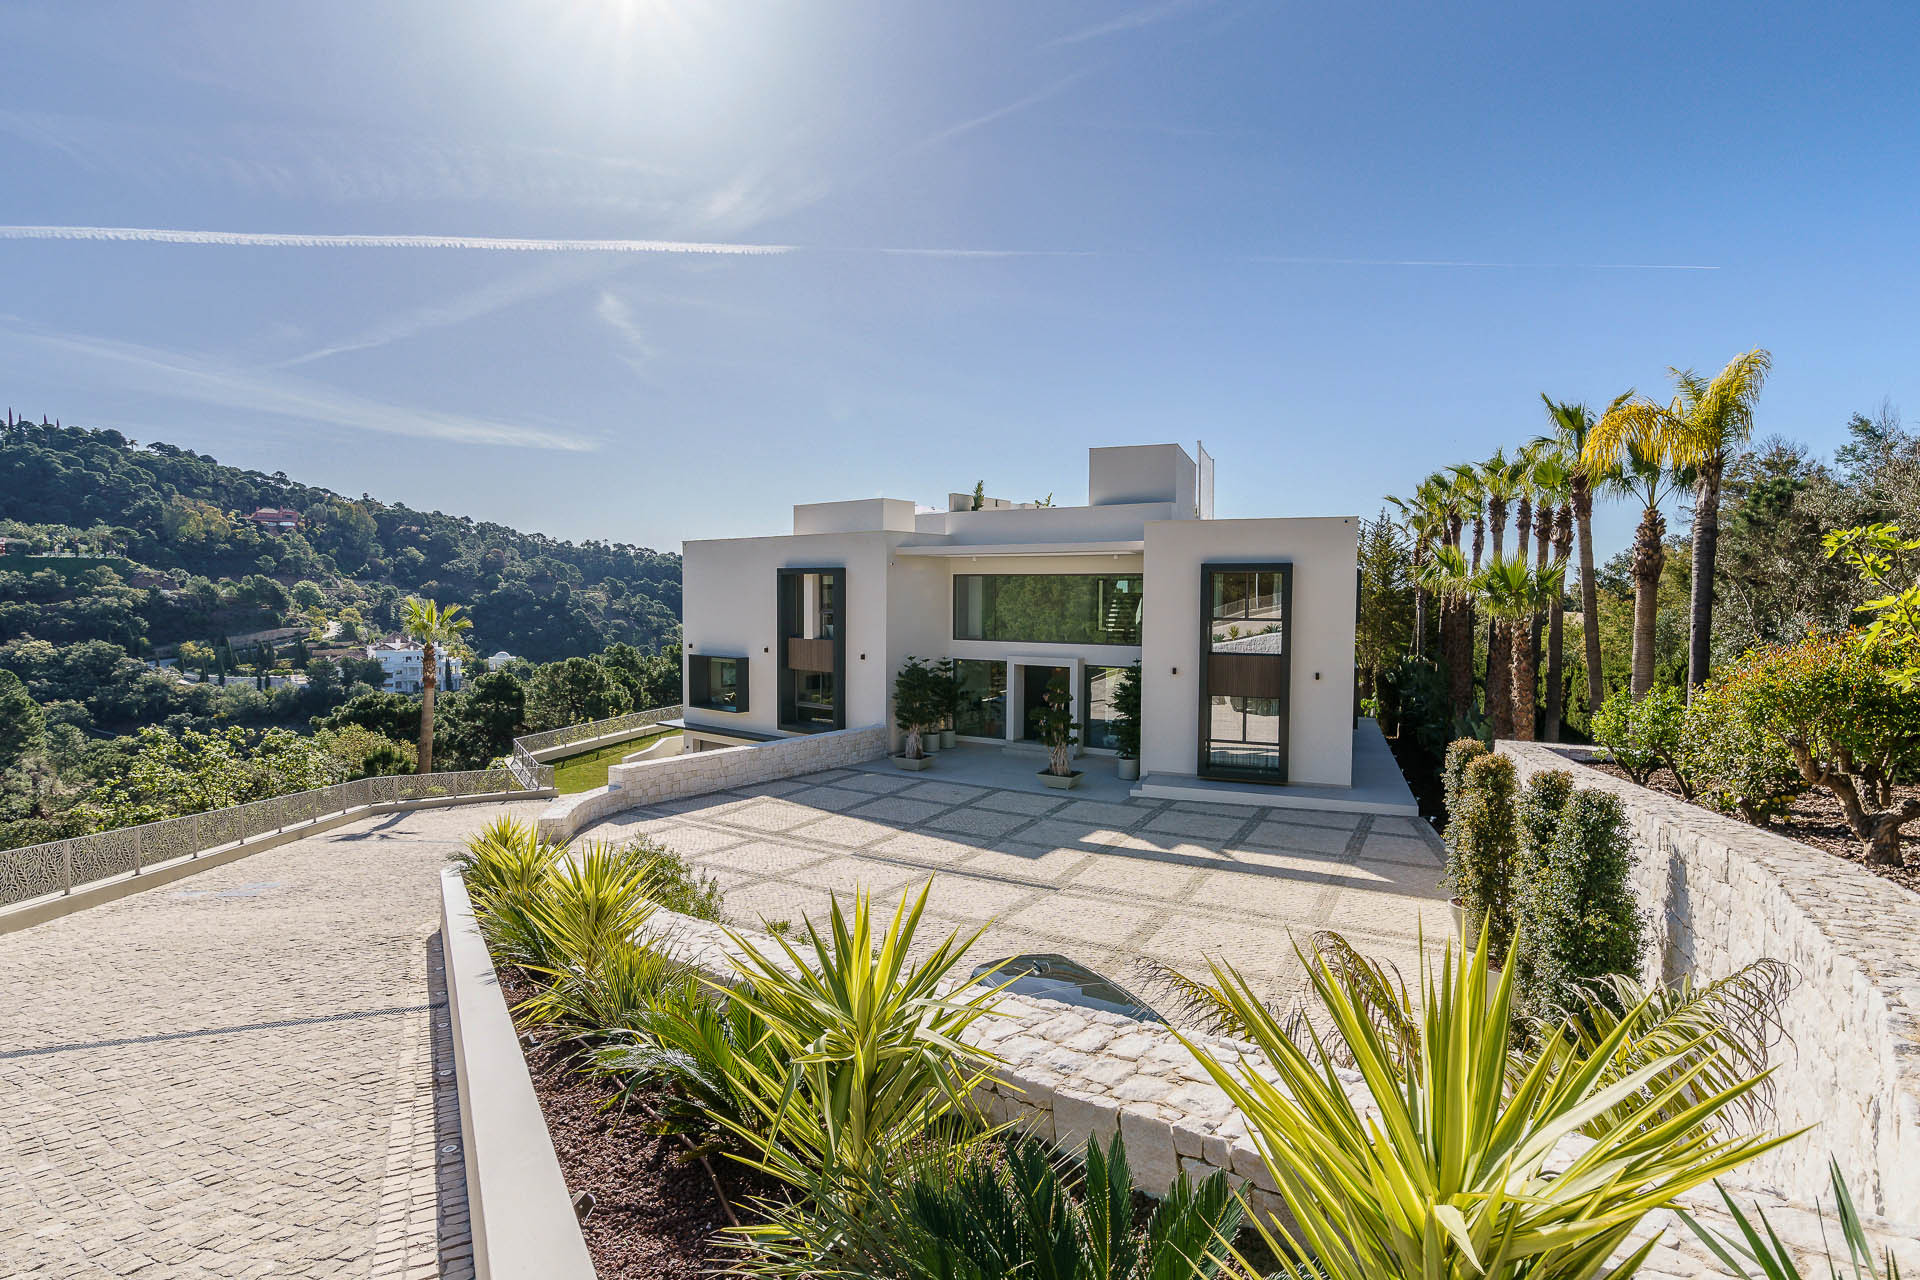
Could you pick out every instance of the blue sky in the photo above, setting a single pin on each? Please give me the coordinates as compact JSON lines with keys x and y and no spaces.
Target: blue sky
{"x":1008,"y":231}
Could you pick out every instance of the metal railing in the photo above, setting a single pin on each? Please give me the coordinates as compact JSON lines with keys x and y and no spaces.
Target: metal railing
{"x":532,"y":773}
{"x":57,"y":866}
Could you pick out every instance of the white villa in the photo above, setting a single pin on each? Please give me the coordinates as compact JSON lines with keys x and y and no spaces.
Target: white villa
{"x":1244,"y":629}
{"x":401,"y":660}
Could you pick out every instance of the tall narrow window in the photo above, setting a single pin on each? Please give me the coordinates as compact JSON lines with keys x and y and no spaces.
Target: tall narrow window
{"x":1246,"y":671}
{"x":983,"y":698}
{"x":813,"y":649}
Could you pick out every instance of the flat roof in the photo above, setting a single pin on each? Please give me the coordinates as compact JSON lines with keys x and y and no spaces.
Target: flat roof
{"x":979,"y":549}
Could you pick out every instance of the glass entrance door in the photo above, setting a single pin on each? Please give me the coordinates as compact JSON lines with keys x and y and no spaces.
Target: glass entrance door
{"x":1033,"y":696}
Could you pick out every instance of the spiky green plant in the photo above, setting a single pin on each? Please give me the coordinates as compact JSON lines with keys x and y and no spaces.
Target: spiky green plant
{"x":1465,"y":1170}
{"x":505,"y":858}
{"x":873,"y":1047}
{"x":692,"y":1043}
{"x":994,"y":1212}
{"x":582,"y":936}
{"x":1772,"y":1257}
{"x":1717,"y":1034}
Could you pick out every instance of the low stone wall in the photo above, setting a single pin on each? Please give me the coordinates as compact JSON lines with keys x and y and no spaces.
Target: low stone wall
{"x":1721,"y":894}
{"x":694,"y":773}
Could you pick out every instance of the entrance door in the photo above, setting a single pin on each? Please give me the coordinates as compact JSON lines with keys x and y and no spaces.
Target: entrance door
{"x":1033,"y":684}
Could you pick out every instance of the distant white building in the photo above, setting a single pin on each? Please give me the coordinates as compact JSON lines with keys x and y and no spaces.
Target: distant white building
{"x":401,"y":660}
{"x":500,"y":660}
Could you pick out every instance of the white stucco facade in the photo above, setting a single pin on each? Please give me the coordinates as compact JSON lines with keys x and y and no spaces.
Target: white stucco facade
{"x":870,"y":583}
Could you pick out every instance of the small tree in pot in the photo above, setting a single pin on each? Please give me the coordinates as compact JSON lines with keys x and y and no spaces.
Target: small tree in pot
{"x":949,"y":689}
{"x":916,"y":705}
{"x":1058,"y":732}
{"x":1126,"y":721}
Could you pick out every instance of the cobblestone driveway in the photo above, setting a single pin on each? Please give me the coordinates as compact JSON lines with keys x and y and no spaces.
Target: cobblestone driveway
{"x":244,"y":1073}
{"x":1107,"y":883}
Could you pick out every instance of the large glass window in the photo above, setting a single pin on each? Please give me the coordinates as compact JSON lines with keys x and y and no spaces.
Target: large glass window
{"x":1249,"y":612}
{"x":1102,"y":683}
{"x":1246,"y":673}
{"x":983,"y":698}
{"x":1047,"y":608}
{"x":813,"y":659}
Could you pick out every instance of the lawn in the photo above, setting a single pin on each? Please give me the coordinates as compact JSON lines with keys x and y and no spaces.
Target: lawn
{"x":588,"y":771}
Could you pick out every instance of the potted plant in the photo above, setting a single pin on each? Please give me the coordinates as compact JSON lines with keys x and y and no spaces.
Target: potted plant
{"x":914,"y":708}
{"x":1058,"y":732}
{"x":1126,"y":722}
{"x":949,"y":702}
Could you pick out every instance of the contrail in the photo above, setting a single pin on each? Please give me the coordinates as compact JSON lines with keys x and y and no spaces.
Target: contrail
{"x":1504,"y":266}
{"x":290,"y":240}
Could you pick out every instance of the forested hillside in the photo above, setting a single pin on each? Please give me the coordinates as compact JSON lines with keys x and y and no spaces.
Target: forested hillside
{"x":182,"y":515}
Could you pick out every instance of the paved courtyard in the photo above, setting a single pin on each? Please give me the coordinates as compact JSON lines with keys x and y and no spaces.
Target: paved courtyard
{"x":1108,"y":881}
{"x":243,"y":1073}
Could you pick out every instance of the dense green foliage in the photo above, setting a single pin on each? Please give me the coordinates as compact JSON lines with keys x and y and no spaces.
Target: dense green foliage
{"x":1644,"y":735}
{"x":174,"y":511}
{"x":1483,"y":849}
{"x":1576,"y":917}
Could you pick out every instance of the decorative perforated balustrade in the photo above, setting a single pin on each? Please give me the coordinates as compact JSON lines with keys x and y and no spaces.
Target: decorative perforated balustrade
{"x":524,"y":759}
{"x":60,"y":865}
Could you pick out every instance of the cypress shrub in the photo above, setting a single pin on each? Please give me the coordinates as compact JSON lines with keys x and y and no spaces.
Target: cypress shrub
{"x":1484,"y":845}
{"x":1460,"y":753}
{"x":1541,"y":805}
{"x":1576,"y":912}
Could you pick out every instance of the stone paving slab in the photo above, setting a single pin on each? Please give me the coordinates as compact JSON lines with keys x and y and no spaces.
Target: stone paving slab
{"x":243,"y":1073}
{"x":1108,"y":882}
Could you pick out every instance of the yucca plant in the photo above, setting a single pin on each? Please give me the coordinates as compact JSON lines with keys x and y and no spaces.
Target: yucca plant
{"x":507,"y":858}
{"x":582,"y":935}
{"x":1723,"y":1028}
{"x":1466,"y":1170}
{"x":1002,"y":1212}
{"x":1377,"y":989}
{"x":872,"y":1046}
{"x":1772,"y":1258}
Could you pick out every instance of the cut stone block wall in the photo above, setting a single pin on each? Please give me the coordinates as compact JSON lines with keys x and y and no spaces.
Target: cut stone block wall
{"x":696,"y":773}
{"x":1721,"y":894}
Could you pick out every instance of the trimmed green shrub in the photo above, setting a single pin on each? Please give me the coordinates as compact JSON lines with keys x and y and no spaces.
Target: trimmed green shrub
{"x":1484,"y":845}
{"x":1460,"y":753}
{"x":1645,"y":735}
{"x":1540,"y":807}
{"x":1735,"y":764}
{"x":1126,"y":713}
{"x":1576,"y":913}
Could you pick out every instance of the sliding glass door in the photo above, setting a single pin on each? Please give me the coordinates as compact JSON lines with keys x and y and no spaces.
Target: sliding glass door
{"x":1246,"y":670}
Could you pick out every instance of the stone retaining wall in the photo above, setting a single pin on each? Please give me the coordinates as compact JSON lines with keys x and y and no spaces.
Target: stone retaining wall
{"x":698,"y":772}
{"x":1721,"y":894}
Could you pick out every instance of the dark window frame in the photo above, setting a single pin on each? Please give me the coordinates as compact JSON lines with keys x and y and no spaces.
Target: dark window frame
{"x":700,"y":687}
{"x":789,"y":602}
{"x":1205,"y":767}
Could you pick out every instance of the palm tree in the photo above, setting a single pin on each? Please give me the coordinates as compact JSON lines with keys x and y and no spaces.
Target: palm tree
{"x":1635,"y":466}
{"x":1572,"y":423}
{"x":1426,"y":518}
{"x":432,"y":627}
{"x":1469,"y":497}
{"x":1504,"y":481}
{"x":1512,"y":592}
{"x":1449,"y":576}
{"x":1704,"y":425}
{"x":1553,"y":534}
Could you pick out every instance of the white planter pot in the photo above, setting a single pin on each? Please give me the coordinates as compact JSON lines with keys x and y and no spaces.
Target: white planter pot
{"x":929,"y":742}
{"x":947,"y":740}
{"x":910,"y":765}
{"x":1129,"y":770}
{"x":1061,"y":782}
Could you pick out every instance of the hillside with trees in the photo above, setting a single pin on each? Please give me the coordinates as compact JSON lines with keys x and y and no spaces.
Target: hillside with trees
{"x":164,"y":651}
